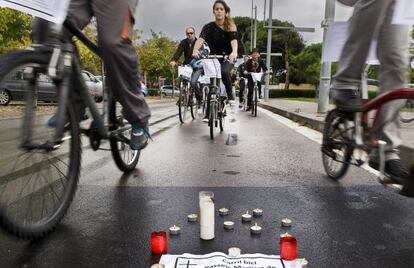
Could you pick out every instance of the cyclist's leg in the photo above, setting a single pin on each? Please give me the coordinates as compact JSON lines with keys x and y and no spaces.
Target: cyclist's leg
{"x":250,"y":86}
{"x":259,"y":86}
{"x":241,"y":91}
{"x":393,"y":53}
{"x":114,"y":35}
{"x":195,"y":86}
{"x":368,"y":16}
{"x":226,"y":67}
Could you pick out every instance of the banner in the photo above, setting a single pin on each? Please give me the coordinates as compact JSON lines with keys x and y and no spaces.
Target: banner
{"x":404,"y":12}
{"x":51,"y":10}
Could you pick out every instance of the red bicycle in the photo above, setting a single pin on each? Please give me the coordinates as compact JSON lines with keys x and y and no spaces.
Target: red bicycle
{"x":346,"y":131}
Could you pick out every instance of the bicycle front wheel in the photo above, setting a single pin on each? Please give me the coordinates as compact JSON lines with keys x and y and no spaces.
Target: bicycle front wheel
{"x":125,"y":158}
{"x":183,"y":101}
{"x":212,"y":119}
{"x":256,"y":97}
{"x":37,"y":184}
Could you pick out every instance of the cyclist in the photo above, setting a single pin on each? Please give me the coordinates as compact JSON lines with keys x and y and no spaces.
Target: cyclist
{"x":185,"y":47}
{"x":115,"y":20}
{"x":241,"y":77}
{"x":221,"y":36}
{"x":254,"y":65}
{"x":373,"y":20}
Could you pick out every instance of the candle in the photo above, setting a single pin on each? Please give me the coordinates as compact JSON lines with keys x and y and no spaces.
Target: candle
{"x":158,"y":265}
{"x":159,"y":244}
{"x":246,"y":217}
{"x":207,"y":215}
{"x":192,"y":217}
{"x":257,"y":212}
{"x":288,"y":247}
{"x":224,"y":211}
{"x":255,"y":229}
{"x":286,"y":222}
{"x":228,"y":225}
{"x":175,"y":230}
{"x":234,"y":252}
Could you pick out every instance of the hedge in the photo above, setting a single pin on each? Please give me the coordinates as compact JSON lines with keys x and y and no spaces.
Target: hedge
{"x":303,"y":93}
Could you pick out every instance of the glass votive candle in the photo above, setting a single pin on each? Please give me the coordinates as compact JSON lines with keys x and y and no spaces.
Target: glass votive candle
{"x":159,"y":243}
{"x":288,"y":247}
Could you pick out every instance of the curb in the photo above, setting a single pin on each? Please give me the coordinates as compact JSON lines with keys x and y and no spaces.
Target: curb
{"x":406,"y":153}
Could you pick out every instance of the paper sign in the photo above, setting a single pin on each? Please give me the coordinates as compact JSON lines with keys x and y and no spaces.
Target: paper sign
{"x":222,"y":260}
{"x":404,"y":12}
{"x":211,"y":67}
{"x":335,"y":40}
{"x":51,"y":10}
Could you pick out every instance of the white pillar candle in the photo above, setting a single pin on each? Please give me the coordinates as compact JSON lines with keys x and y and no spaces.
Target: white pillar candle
{"x":207,"y":214}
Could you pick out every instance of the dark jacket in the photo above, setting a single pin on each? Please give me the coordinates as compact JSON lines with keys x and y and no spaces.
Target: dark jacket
{"x":241,"y":69}
{"x":253,"y":68}
{"x":185,"y":47}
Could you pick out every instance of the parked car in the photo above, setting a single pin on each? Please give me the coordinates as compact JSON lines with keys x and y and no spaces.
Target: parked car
{"x":13,"y":88}
{"x":167,"y":90}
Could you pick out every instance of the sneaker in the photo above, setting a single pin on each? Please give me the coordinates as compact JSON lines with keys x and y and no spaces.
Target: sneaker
{"x":346,"y":99}
{"x":240,"y":105}
{"x":231,"y":102}
{"x":396,"y":172}
{"x":139,"y":138}
{"x":205,"y":119}
{"x":52,"y":121}
{"x":248,"y":109}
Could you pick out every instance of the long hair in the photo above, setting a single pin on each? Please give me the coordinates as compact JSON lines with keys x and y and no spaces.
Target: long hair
{"x":228,"y":21}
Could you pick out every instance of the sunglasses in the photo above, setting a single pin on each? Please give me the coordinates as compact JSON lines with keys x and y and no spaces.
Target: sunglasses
{"x":189,"y":33}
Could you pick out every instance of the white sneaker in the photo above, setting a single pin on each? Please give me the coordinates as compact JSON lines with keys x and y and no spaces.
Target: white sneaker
{"x":231,"y":102}
{"x":205,"y":120}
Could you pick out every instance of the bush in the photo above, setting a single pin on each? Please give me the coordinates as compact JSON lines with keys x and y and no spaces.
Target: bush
{"x":292,"y":93}
{"x":153,"y":92}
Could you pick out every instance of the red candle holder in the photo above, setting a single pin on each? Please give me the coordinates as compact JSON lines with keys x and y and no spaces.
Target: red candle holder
{"x":159,"y":243}
{"x":288,"y":247}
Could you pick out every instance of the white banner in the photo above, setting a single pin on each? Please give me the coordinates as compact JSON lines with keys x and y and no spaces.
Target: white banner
{"x":404,"y":12}
{"x":51,"y":10}
{"x":221,"y":260}
{"x":335,"y":41}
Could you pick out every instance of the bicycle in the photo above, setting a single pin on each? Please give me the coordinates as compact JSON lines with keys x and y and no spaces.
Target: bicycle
{"x":187,"y":99}
{"x":39,"y":179}
{"x":257,"y":77}
{"x":217,"y":112}
{"x":346,"y":132}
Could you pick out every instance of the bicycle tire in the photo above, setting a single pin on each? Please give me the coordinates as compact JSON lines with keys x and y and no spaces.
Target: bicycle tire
{"x":330,"y":149}
{"x":212,"y":119}
{"x":125,"y":158}
{"x":13,"y":216}
{"x":222,"y":118}
{"x":256,"y":92}
{"x":194,"y":106}
{"x":183,"y":103}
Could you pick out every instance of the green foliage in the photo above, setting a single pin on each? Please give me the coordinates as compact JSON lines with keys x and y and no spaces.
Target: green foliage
{"x":15,"y":28}
{"x":155,"y":55}
{"x":90,"y":61}
{"x":306,"y":65}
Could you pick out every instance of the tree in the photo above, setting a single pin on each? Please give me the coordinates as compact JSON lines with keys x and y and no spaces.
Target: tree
{"x":15,"y":28}
{"x":306,"y":65}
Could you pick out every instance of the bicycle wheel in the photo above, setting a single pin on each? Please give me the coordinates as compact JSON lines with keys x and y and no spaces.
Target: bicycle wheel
{"x":407,"y":113}
{"x":222,"y":117}
{"x":336,"y":151}
{"x":205,"y":94}
{"x":212,"y":118}
{"x":254,"y":108}
{"x":245,"y":94}
{"x":36,"y":185}
{"x":183,"y":103}
{"x":125,"y":158}
{"x":195,"y":107}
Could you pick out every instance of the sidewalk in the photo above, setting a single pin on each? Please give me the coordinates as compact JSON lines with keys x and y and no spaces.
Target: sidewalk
{"x":305,"y":113}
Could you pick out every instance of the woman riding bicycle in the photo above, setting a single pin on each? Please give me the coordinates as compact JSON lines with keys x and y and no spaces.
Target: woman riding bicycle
{"x":221,"y":36}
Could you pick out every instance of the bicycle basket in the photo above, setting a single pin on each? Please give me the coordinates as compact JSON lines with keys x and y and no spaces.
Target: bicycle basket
{"x":211,"y":67}
{"x":257,"y":77}
{"x":185,"y":72}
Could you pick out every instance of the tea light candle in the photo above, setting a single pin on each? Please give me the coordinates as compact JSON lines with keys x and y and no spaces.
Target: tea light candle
{"x":224,"y":211}
{"x":175,"y":230}
{"x":246,"y":217}
{"x":192,"y":217}
{"x":159,"y":244}
{"x":288,"y":247}
{"x":158,"y":265}
{"x":257,"y":212}
{"x":302,"y":263}
{"x":286,"y":222}
{"x":234,"y":252}
{"x":255,"y":229}
{"x":228,"y":225}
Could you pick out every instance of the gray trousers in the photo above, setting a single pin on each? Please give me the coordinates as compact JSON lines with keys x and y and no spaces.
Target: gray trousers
{"x":119,"y":55}
{"x":372,"y":20}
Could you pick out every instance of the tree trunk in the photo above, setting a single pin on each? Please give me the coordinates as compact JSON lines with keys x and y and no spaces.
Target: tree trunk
{"x":287,"y":81}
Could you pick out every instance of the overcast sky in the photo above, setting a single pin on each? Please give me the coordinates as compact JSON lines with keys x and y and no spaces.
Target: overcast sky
{"x":171,"y":17}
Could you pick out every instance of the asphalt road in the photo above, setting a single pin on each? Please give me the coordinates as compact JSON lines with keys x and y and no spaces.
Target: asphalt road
{"x":264,"y":162}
